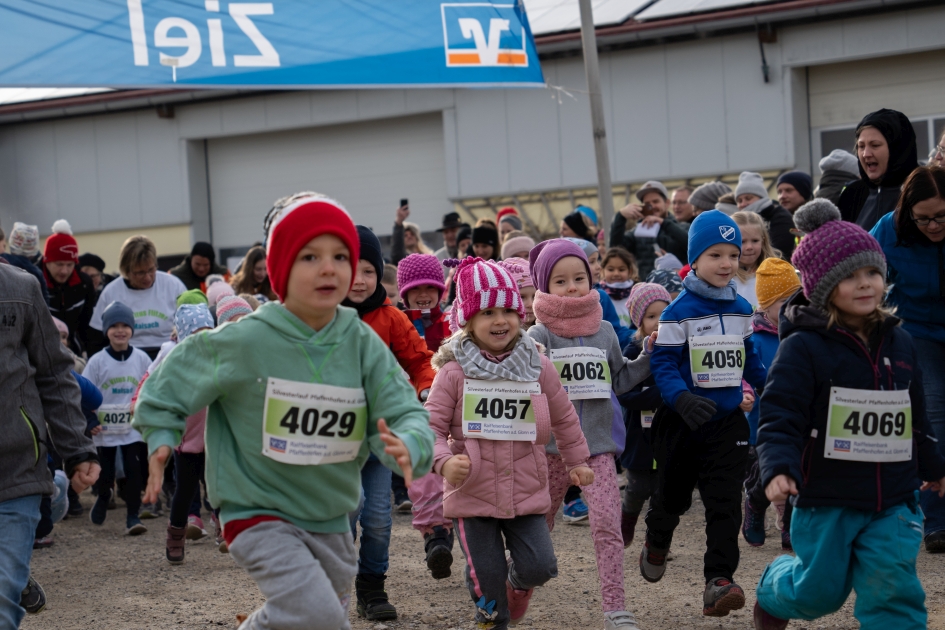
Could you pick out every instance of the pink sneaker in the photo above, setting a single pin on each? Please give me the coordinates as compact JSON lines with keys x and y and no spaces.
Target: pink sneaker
{"x":195,"y":530}
{"x":518,"y":603}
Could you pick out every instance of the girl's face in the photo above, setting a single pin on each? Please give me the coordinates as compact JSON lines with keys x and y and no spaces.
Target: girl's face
{"x":259,"y":271}
{"x":365,"y":282}
{"x":873,"y":152}
{"x":569,"y":278}
{"x":461,"y":248}
{"x":773,"y":312}
{"x":483,"y":250}
{"x":409,"y":239}
{"x":319,"y":280}
{"x":860,"y":293}
{"x":717,"y":264}
{"x":933,"y":208}
{"x":751,"y":246}
{"x":528,"y":298}
{"x":651,"y":318}
{"x":565,"y":232}
{"x":616,"y":270}
{"x":593,"y":262}
{"x":495,"y":329}
{"x":423,"y":297}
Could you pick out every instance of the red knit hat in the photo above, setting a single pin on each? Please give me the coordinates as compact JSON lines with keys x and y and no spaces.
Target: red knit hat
{"x":504,"y":212}
{"x":61,"y":246}
{"x":304,"y":218}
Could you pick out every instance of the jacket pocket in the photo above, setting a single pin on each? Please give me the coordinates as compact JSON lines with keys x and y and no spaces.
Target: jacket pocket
{"x":34,"y":433}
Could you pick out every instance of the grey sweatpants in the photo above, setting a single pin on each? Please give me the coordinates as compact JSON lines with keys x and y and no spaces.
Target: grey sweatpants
{"x":306,"y":578}
{"x":533,"y":560}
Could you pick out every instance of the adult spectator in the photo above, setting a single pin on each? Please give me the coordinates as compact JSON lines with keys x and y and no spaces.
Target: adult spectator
{"x":836,"y":171}
{"x":656,"y":231}
{"x":682,"y":209}
{"x":590,"y":215}
{"x":509,"y":223}
{"x":39,"y":401}
{"x":94,"y":267}
{"x":450,"y":228}
{"x":913,"y":238}
{"x":201,"y":263}
{"x":726,"y":204}
{"x":23,"y":263}
{"x":253,"y":277}
{"x":150,"y":294}
{"x":752,"y":196}
{"x":795,"y":188}
{"x":485,"y":242}
{"x":463,"y":242}
{"x":886,"y":150}
{"x":576,"y":225}
{"x":937,"y":155}
{"x":406,"y":238}
{"x":706,"y":196}
{"x":72,"y":295}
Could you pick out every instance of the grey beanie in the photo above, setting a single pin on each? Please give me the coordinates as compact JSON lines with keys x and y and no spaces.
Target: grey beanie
{"x":512,"y":220}
{"x":840,"y":160}
{"x":707,"y":195}
{"x":751,"y":183}
{"x":117,"y":313}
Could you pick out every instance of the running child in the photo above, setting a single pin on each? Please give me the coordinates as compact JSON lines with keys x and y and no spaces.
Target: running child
{"x":420,"y":278}
{"x":776,"y":282}
{"x":520,"y":271}
{"x":618,"y":273}
{"x":116,"y":371}
{"x":496,"y":477}
{"x":645,"y":305}
{"x":700,"y":436}
{"x":289,"y":430}
{"x":756,"y":248}
{"x":844,"y":434}
{"x":586,"y":352}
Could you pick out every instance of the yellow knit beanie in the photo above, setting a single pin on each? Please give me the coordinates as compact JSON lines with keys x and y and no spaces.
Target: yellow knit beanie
{"x":775,"y":279}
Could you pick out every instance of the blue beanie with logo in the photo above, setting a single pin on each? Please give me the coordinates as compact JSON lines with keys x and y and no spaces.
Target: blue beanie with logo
{"x":711,"y":228}
{"x":117,"y":313}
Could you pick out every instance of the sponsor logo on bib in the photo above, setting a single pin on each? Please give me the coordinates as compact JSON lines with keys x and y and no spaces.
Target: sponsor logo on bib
{"x":277,"y":445}
{"x":841,"y":445}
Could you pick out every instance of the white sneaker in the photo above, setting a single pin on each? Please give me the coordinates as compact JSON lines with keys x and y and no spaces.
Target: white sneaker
{"x":620,"y":620}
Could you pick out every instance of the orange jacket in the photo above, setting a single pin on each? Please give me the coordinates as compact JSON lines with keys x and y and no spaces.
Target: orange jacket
{"x":400,"y":335}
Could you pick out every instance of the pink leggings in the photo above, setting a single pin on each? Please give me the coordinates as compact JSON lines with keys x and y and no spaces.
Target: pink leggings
{"x":603,"y":502}
{"x":426,"y":494}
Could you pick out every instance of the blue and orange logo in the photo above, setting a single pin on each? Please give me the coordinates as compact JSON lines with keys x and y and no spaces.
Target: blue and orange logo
{"x":483,"y":35}
{"x":842,"y":446}
{"x":277,"y":445}
{"x":474,"y":427}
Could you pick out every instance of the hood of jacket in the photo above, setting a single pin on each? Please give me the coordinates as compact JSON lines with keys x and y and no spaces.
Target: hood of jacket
{"x":900,"y":136}
{"x":283,"y":321}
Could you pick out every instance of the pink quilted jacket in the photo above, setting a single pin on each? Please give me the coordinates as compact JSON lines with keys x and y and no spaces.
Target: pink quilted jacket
{"x":506,"y":478}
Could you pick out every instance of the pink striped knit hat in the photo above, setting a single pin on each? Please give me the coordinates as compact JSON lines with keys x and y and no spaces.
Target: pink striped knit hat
{"x":520,"y":271}
{"x":482,"y":284}
{"x":419,"y":269}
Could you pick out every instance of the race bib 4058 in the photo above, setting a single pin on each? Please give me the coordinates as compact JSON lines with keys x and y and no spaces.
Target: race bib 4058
{"x":717,"y":360}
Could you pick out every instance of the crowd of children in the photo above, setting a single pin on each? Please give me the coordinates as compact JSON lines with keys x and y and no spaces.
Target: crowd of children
{"x":502,"y":386}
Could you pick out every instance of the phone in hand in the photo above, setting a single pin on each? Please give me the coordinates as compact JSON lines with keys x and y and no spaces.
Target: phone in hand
{"x":403,"y":202}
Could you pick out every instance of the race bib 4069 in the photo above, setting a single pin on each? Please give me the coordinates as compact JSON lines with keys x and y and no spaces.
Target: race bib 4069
{"x":869,"y":426}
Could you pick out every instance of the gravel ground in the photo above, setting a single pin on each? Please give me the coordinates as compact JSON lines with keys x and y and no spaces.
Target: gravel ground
{"x":95,"y":577}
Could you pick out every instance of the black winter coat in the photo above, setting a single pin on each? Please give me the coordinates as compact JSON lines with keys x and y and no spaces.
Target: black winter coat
{"x":832,"y":183}
{"x":780,"y":223}
{"x":673,"y":237}
{"x":794,"y":405}
{"x":73,"y":302}
{"x":638,"y":454}
{"x":185,"y":273}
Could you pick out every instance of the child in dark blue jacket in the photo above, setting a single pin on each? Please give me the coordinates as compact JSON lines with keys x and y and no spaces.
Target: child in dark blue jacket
{"x":645,"y":304}
{"x":844,"y":433}
{"x":700,"y":436}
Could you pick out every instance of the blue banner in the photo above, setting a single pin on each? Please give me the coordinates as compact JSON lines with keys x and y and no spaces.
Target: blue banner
{"x":277,"y":44}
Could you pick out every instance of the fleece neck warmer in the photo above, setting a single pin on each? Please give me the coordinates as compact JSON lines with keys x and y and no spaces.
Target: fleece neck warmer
{"x":567,"y":316}
{"x":695,"y":284}
{"x":617,"y":290}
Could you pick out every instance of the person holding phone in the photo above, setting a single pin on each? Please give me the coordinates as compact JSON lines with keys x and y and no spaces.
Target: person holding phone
{"x":647,"y":230}
{"x":406,"y":238}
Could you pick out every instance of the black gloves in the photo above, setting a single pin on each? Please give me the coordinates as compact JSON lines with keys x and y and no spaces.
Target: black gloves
{"x":695,"y":410}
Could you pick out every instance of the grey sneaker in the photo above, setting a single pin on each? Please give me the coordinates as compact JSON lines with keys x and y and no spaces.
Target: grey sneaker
{"x":652,"y":563}
{"x":620,"y":620}
{"x":33,"y":597}
{"x":721,"y":597}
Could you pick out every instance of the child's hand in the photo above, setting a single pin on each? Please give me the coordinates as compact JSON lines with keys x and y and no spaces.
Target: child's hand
{"x":781,"y":487}
{"x":398,"y":450}
{"x":582,"y":476}
{"x":96,"y":430}
{"x":84,"y":475}
{"x":156,"y":464}
{"x":748,"y":401}
{"x":651,"y":342}
{"x":456,"y":469}
{"x":935,"y":486}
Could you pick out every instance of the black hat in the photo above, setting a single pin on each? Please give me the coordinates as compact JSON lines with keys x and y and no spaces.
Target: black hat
{"x":465,"y":233}
{"x":485,"y":235}
{"x":578,"y":226}
{"x":205,"y":250}
{"x":91,"y":260}
{"x":451,"y":220}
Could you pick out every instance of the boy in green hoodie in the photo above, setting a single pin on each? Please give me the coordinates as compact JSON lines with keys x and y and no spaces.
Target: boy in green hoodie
{"x":299,"y":394}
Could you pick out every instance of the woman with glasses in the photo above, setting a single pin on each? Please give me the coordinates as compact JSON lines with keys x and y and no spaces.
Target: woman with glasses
{"x":913,"y":240}
{"x":937,"y":155}
{"x":151,"y":295}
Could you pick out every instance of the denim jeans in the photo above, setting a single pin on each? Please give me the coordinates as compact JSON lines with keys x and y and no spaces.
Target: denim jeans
{"x":932,"y":363}
{"x":18,"y":520}
{"x":374,"y":517}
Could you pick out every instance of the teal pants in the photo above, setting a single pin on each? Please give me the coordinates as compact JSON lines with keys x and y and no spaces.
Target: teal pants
{"x":839,"y":549}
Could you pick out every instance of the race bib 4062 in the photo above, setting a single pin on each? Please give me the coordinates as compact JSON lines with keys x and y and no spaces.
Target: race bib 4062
{"x":584,"y":372}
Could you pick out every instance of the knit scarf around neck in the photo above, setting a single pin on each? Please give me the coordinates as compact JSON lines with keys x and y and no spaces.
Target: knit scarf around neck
{"x":567,"y":316}
{"x":759,"y":206}
{"x":617,"y":290}
{"x":522,"y":365}
{"x":695,"y":284}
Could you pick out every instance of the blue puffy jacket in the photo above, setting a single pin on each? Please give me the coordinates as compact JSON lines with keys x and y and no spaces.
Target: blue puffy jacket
{"x":917,"y":276}
{"x":624,"y":334}
{"x":91,"y":400}
{"x":638,"y":454}
{"x":791,"y":437}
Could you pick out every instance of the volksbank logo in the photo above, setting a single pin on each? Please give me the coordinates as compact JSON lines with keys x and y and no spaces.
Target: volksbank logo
{"x":483,"y":35}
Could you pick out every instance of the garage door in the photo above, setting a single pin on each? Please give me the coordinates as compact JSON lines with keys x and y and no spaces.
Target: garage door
{"x":367,"y":166}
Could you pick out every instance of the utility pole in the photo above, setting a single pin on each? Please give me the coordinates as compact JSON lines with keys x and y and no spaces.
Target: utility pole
{"x":605,"y":194}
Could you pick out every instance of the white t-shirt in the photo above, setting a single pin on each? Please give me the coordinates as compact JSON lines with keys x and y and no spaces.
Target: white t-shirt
{"x":746,"y":289}
{"x":154,"y":308}
{"x":117,"y":381}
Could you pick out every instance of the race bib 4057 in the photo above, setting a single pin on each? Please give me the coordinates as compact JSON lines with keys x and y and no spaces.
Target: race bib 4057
{"x":499,"y":410}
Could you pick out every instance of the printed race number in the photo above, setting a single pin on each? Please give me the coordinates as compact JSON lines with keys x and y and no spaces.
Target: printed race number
{"x":717,"y":360}
{"x":869,"y":426}
{"x":499,"y":410}
{"x":309,"y":423}
{"x":115,"y":419}
{"x":584,"y":372}
{"x":503,"y":408}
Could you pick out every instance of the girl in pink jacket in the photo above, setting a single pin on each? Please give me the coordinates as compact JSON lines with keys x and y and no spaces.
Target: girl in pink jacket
{"x":495,"y":402}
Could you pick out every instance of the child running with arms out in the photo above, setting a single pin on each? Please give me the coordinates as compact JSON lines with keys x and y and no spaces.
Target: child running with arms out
{"x":495,"y":468}
{"x":116,"y":371}
{"x":700,"y":436}
{"x":299,"y":394}
{"x":585,"y":351}
{"x":844,"y":434}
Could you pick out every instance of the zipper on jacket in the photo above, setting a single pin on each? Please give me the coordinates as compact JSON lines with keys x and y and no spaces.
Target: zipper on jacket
{"x":32,"y":428}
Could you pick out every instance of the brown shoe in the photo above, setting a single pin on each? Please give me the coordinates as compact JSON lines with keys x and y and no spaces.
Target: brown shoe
{"x":175,"y":544}
{"x":240,"y":618}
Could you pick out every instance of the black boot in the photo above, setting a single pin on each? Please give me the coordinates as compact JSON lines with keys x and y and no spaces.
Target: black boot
{"x":439,"y":546}
{"x":372,"y":598}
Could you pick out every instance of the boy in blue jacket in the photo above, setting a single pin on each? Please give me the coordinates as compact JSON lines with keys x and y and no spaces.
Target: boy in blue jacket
{"x":700,"y":436}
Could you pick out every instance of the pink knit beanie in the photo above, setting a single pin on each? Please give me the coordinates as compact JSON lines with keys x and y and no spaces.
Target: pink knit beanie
{"x":642,"y":295}
{"x":231,"y":306}
{"x":419,"y":269}
{"x":517,"y":244}
{"x":520,"y":271}
{"x":482,"y":284}
{"x":217,"y":290}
